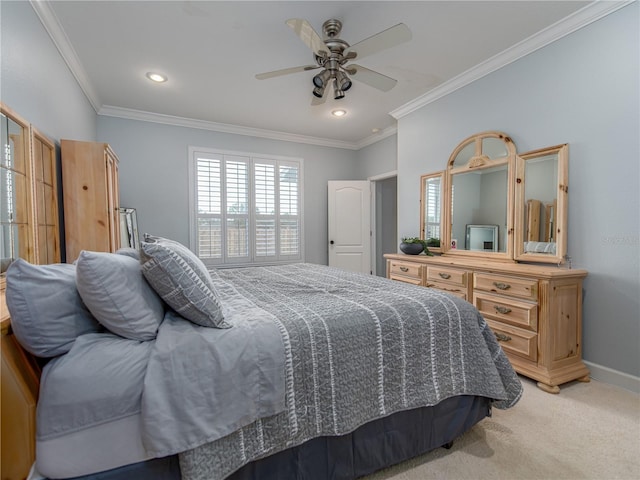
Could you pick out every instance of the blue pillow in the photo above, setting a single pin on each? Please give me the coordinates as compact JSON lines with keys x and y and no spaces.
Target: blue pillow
{"x":47,"y":313}
{"x":115,"y":291}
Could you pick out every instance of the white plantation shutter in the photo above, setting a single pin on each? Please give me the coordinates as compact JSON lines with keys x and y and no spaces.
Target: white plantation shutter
{"x":289,"y":210}
{"x":237,"y":208}
{"x":247,"y":208}
{"x":265,"y":200}
{"x":209,"y":205}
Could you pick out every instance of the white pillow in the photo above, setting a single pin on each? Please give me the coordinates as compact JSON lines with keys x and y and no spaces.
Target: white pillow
{"x":115,"y":291}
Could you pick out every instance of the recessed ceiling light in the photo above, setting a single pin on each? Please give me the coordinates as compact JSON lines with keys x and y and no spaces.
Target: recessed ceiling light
{"x":339,"y":113}
{"x":156,"y":77}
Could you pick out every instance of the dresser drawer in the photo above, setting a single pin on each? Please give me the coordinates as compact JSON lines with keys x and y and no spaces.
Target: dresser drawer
{"x":411,"y":280}
{"x":517,"y":287}
{"x":448,"y":275}
{"x":516,"y":341}
{"x":405,"y":269}
{"x":456,"y":290}
{"x":507,"y":310}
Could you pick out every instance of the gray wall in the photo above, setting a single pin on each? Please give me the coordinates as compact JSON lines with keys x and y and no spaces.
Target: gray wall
{"x":154,"y":176}
{"x":582,"y":90}
{"x":36,"y":82}
{"x":377,"y":158}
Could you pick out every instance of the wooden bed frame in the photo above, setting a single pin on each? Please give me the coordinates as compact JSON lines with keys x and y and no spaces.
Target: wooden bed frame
{"x":20,"y":380}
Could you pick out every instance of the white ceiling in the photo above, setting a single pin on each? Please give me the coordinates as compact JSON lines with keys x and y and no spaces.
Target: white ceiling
{"x":211,"y":51}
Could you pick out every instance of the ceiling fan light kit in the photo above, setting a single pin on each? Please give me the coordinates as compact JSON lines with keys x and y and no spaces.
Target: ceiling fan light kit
{"x":332,"y":53}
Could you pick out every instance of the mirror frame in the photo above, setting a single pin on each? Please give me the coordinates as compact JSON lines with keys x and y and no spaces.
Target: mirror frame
{"x":480,"y":161}
{"x":423,"y":233}
{"x":560,"y":227}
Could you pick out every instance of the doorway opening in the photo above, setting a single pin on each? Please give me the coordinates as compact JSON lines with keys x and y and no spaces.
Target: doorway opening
{"x":384,"y":224}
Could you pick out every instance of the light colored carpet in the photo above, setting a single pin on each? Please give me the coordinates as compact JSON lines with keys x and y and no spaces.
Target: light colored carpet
{"x":587,"y":431}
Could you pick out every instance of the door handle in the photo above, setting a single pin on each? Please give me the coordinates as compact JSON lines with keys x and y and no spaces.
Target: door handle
{"x":331,"y":242}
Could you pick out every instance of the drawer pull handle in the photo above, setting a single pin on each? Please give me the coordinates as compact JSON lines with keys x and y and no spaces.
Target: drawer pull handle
{"x":444,"y":275}
{"x":502,"y":337}
{"x":502,"y":286}
{"x":404,"y":269}
{"x":502,"y":310}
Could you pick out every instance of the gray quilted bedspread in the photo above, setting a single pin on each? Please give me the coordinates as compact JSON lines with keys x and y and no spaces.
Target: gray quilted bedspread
{"x":357,"y":348}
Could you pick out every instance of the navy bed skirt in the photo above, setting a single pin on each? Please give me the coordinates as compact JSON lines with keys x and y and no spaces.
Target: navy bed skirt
{"x":371,"y":447}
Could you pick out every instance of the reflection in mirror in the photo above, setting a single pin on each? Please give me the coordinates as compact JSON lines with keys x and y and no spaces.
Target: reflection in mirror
{"x":540,"y":199}
{"x":464,"y":155}
{"x":129,"y":228}
{"x":14,"y":218}
{"x":482,"y":238}
{"x":430,"y":214}
{"x":540,"y":192}
{"x":479,"y":197}
{"x":494,"y":148}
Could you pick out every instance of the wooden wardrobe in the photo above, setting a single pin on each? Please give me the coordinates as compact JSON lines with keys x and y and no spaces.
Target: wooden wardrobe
{"x":91,"y":198}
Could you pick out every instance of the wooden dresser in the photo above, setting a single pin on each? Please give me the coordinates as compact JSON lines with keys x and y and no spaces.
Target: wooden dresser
{"x":91,"y":199}
{"x":534,"y":310}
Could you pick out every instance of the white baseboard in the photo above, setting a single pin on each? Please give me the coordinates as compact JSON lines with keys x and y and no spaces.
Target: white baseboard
{"x":614,"y":377}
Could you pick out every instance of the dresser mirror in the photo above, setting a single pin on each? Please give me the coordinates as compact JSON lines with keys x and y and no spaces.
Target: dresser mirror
{"x":431,"y":195}
{"x":541,"y":205}
{"x":477,"y":203}
{"x":493,"y":203}
{"x":15,"y":238}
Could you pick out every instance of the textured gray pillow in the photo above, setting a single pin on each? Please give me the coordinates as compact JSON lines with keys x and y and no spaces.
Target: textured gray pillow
{"x":182,"y":280}
{"x":114,"y":290}
{"x":47,"y":313}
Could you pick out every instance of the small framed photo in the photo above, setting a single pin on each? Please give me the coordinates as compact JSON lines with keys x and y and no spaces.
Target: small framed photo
{"x":454,"y":244}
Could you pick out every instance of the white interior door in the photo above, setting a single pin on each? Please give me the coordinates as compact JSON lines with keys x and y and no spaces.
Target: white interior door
{"x":350,"y":225}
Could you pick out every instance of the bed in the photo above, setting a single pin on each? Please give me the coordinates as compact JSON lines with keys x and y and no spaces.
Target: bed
{"x":291,"y":371}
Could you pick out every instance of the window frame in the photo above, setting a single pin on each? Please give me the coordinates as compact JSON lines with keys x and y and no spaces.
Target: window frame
{"x":196,"y":153}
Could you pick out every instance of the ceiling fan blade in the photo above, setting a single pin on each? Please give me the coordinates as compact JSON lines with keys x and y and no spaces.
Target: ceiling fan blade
{"x":308,"y":35}
{"x":371,"y":78}
{"x":388,"y":38}
{"x":285,"y":71}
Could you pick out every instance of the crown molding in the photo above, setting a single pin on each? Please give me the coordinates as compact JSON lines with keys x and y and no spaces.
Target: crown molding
{"x":376,"y":137}
{"x":583,"y":17}
{"x":127,"y":113}
{"x":52,"y":25}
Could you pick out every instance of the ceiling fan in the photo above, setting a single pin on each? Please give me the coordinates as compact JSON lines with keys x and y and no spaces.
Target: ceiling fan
{"x":332,"y":55}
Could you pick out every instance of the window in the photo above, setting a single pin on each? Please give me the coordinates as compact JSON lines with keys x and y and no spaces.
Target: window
{"x":246,"y":209}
